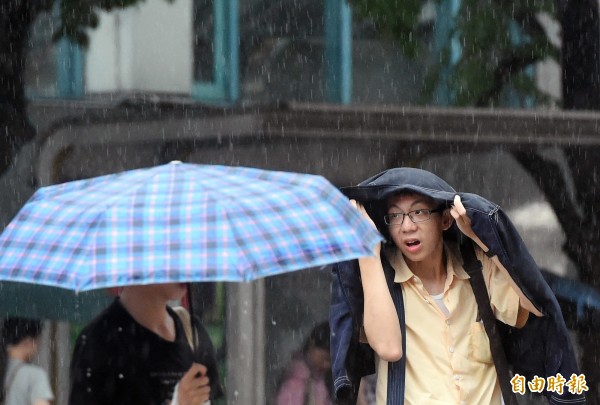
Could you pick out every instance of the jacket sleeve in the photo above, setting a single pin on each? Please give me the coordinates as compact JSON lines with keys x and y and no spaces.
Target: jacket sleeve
{"x":543,"y":346}
{"x":350,"y":359}
{"x":496,"y":230}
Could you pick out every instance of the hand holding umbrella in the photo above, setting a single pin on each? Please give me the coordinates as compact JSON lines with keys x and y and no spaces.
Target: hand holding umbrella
{"x":194,"y":387}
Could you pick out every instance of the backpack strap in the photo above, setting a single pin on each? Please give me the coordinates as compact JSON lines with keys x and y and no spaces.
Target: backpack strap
{"x":397,"y":369}
{"x":474,"y":269}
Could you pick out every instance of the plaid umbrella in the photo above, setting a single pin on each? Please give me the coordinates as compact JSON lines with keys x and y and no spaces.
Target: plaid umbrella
{"x":180,"y":223}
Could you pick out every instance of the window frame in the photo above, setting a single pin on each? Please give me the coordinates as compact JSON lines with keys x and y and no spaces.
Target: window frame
{"x":224,"y":88}
{"x":338,"y":51}
{"x":69,"y":68}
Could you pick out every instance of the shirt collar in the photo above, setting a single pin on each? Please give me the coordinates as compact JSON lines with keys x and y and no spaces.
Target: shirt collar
{"x":403,"y":273}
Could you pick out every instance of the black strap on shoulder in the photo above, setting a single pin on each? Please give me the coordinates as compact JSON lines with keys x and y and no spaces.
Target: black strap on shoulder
{"x":396,"y":369}
{"x":474,"y":268}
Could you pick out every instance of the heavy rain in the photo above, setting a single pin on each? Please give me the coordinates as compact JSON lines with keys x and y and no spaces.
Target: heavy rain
{"x":499,"y":98}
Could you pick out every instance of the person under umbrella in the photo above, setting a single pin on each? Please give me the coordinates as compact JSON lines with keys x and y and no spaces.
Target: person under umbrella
{"x":136,"y":351}
{"x":172,"y":223}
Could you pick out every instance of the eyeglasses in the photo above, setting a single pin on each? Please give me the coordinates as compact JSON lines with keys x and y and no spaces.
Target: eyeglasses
{"x":397,"y":218}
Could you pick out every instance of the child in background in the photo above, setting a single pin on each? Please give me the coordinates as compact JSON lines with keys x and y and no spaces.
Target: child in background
{"x":24,"y":383}
{"x":307,"y":380}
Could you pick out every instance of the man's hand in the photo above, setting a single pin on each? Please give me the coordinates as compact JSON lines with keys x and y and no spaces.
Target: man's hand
{"x":194,"y":386}
{"x":459,"y":213}
{"x":363,"y":211}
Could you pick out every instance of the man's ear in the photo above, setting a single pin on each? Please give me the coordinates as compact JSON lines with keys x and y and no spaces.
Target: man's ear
{"x":447,"y":219}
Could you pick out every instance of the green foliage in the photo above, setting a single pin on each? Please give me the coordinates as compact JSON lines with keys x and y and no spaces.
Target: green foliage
{"x":396,"y":18}
{"x":500,"y":41}
{"x":77,"y":16}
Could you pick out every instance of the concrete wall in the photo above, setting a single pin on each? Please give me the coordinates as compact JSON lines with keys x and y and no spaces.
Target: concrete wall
{"x":145,"y":48}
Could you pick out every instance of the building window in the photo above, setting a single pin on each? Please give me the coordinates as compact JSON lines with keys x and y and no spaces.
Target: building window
{"x":215,"y":51}
{"x":53,"y":69}
{"x":265,"y":51}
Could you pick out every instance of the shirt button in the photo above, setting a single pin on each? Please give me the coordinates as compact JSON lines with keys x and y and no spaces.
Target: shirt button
{"x":447,"y":321}
{"x":456,"y":377}
{"x":451,"y":349}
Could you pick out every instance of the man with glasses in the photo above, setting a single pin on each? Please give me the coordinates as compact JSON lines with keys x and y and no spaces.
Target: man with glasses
{"x":419,"y":313}
{"x":448,"y":353}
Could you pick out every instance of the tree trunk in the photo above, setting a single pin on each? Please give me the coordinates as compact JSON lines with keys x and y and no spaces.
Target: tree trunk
{"x":582,"y":248}
{"x":581,"y":91}
{"x":16,"y":16}
{"x":580,"y":53}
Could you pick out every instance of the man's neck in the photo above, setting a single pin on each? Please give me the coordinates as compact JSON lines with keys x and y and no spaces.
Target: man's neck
{"x":149,"y":312}
{"x":19,"y":352}
{"x":432,"y":273}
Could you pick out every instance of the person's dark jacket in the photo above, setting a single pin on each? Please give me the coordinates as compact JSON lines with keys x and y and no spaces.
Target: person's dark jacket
{"x":118,"y":361}
{"x":542,"y":347}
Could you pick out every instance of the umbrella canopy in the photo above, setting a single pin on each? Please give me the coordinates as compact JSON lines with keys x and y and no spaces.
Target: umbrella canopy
{"x":180,"y":223}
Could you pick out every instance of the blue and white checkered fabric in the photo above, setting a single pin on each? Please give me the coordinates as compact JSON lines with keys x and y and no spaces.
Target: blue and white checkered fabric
{"x":181,"y":223}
